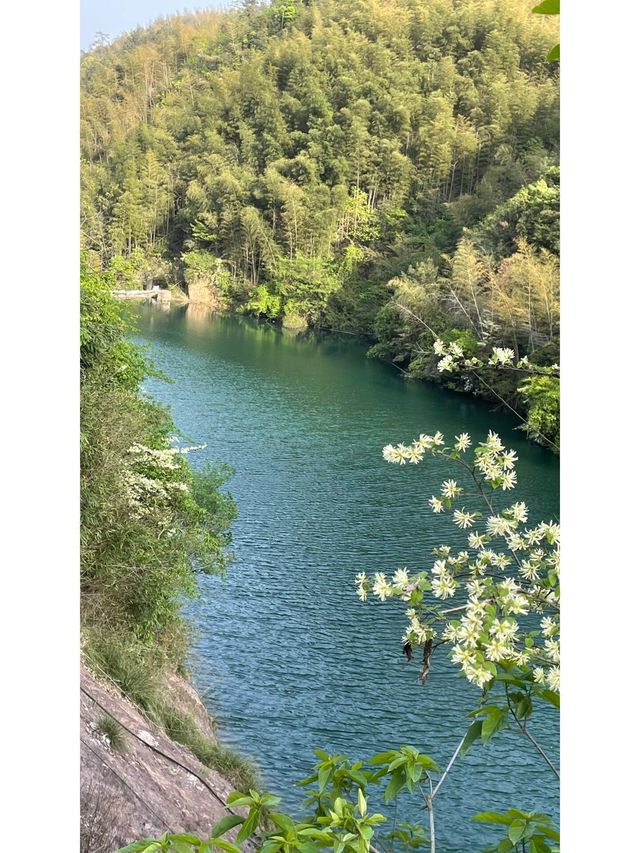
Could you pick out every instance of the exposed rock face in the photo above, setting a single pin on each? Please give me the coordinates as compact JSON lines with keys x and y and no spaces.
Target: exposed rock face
{"x":153,"y":785}
{"x":202,"y":291}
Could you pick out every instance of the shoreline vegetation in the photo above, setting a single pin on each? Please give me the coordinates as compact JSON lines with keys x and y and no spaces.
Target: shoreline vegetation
{"x":387,"y":169}
{"x":149,"y":524}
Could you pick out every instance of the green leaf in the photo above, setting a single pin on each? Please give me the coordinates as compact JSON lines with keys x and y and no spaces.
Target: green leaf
{"x":550,"y":696}
{"x":554,"y":54}
{"x":473,"y":733}
{"x":516,"y":831}
{"x":492,"y":817}
{"x":491,"y":724}
{"x":180,"y":847}
{"x":550,"y":833}
{"x":547,"y":7}
{"x":383,"y":757}
{"x":223,"y":844}
{"x":428,"y":762}
{"x":270,"y":846}
{"x":324,"y":772}
{"x":362,"y":803}
{"x":249,"y":826}
{"x":226,"y":824}
{"x":238,"y":799}
{"x":282,"y":820}
{"x":398,"y":762}
{"x":538,"y":845}
{"x":504,"y":846}
{"x":394,"y":786}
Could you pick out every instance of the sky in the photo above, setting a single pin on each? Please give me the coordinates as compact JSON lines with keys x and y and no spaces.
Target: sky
{"x":114,"y":17}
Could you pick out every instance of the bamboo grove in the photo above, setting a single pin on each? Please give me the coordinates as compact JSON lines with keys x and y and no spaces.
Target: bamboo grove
{"x":385,"y":167}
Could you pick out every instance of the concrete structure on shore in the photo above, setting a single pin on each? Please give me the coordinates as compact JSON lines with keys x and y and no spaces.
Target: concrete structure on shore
{"x":155,"y":294}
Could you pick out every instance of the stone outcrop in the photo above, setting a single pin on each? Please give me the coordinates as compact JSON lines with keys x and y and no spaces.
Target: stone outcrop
{"x":150,"y":785}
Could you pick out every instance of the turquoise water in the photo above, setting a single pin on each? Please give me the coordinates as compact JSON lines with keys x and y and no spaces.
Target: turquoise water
{"x":285,"y":654}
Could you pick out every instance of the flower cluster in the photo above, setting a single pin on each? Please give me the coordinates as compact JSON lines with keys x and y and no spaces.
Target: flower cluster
{"x":153,"y":480}
{"x":453,"y":359}
{"x":508,"y":572}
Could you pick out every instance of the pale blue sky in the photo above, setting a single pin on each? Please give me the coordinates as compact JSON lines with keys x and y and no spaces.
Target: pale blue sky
{"x":118,"y":16}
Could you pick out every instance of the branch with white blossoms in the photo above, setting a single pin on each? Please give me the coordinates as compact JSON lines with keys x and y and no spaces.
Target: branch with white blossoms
{"x":453,"y":359}
{"x":509,"y":570}
{"x":154,"y":479}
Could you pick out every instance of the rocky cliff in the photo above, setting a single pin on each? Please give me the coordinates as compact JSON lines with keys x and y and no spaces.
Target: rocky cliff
{"x":142,"y":783}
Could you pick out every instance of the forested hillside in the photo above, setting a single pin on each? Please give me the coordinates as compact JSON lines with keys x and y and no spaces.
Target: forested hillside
{"x":387,"y":167}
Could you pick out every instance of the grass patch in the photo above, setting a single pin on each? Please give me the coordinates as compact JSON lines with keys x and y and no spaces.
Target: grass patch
{"x":138,"y":674}
{"x":238,"y":769}
{"x":114,"y":732}
{"x":126,"y":664}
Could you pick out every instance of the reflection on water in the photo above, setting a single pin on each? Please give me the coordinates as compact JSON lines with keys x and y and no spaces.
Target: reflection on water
{"x":291,"y":659}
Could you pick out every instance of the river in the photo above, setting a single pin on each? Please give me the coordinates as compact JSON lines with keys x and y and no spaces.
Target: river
{"x":285,"y":655}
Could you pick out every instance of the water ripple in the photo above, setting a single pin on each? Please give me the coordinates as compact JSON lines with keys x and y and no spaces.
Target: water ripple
{"x":287,"y":655}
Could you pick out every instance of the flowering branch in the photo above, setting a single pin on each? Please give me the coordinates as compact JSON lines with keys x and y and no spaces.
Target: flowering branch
{"x":488,"y":634}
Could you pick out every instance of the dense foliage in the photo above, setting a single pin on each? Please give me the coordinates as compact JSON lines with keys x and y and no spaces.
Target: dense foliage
{"x":148,"y":522}
{"x":388,"y":168}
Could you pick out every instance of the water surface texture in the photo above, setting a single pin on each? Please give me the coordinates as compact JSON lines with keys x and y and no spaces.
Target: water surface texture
{"x":285,"y":654}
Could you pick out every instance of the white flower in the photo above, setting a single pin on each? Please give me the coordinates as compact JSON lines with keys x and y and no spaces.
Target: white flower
{"x":443,"y":586}
{"x":463,"y":519}
{"x":505,"y":629}
{"x":519,"y":512}
{"x":476,"y":541}
{"x":475,"y":587}
{"x":415,"y":453}
{"x":439,"y":567}
{"x":509,"y":480}
{"x":439,"y":347}
{"x":538,"y":675}
{"x":522,"y":657}
{"x":502,"y":355}
{"x":463,"y":442}
{"x":553,"y":679}
{"x":509,"y":459}
{"x":478,"y":676}
{"x":450,"y":633}
{"x":446,"y":364}
{"x":391,"y":454}
{"x":403,"y":452}
{"x":552,"y":647}
{"x":549,"y":626}
{"x":552,"y":532}
{"x":438,"y":438}
{"x":450,"y":489}
{"x":516,"y":605}
{"x":462,"y":655}
{"x":436,"y":504}
{"x":529,"y":570}
{"x":496,"y":649}
{"x":381,"y":587}
{"x":360,"y":582}
{"x":498,"y":526}
{"x":401,"y":577}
